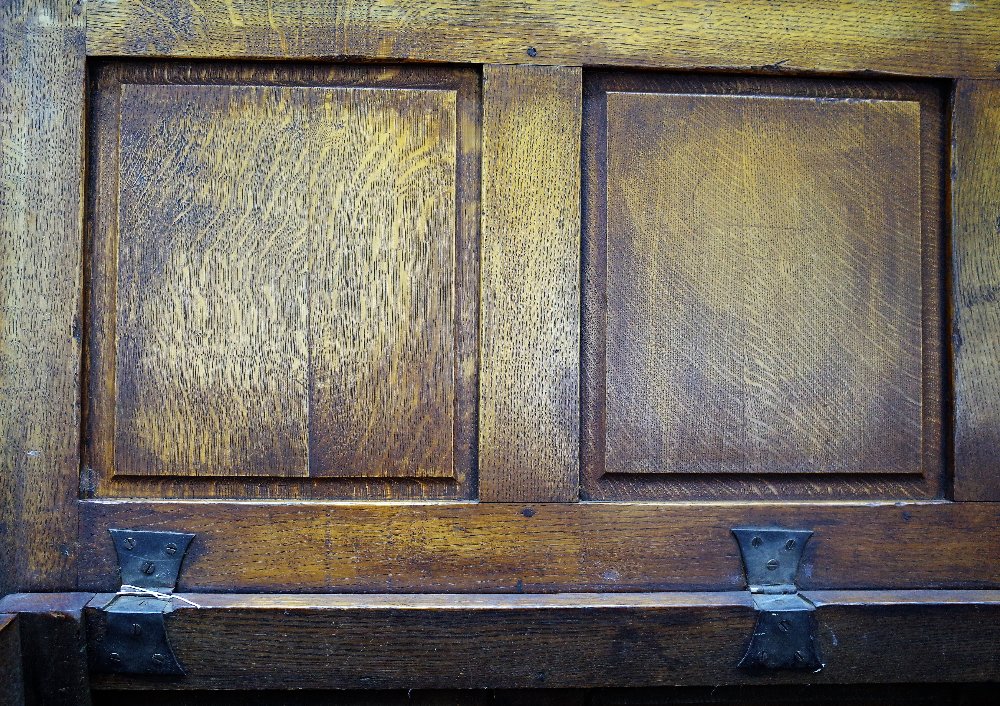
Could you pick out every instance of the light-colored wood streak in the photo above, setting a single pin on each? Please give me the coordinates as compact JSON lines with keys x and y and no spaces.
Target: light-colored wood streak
{"x":212,"y":281}
{"x":41,"y":211}
{"x":382,"y":281}
{"x":912,"y":37}
{"x":529,"y":416}
{"x":976,"y":300}
{"x":763,"y":285}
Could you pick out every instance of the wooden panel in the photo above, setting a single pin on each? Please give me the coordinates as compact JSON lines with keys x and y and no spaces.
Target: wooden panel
{"x":508,"y":548}
{"x":756,"y":256}
{"x":53,"y":646}
{"x":41,"y":162}
{"x":976,"y":277}
{"x":11,"y":678}
{"x":453,"y":641}
{"x":284,"y":283}
{"x":382,"y":278}
{"x":530,"y":313}
{"x":917,"y":38}
{"x":763,"y":285}
{"x":212,"y":304}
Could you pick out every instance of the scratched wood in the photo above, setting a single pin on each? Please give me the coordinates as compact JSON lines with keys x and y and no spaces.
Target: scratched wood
{"x":283,"y":281}
{"x":462,"y":547}
{"x":753,"y":313}
{"x":382,"y":279}
{"x":917,"y":39}
{"x":530,"y":312}
{"x":41,"y":163}
{"x":454,"y":641}
{"x":976,"y":271}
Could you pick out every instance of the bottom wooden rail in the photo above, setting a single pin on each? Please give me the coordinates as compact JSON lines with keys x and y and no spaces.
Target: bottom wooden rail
{"x":424,"y":641}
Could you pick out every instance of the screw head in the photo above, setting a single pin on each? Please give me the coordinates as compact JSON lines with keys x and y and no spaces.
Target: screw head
{"x":148,"y":568}
{"x":772,"y":564}
{"x":170,"y":549}
{"x":784,"y":625}
{"x":799,"y":657}
{"x":130,"y":543}
{"x":115,"y":657}
{"x":756,"y":542}
{"x":136,"y":629}
{"x":790,"y":545}
{"x":158,"y":658}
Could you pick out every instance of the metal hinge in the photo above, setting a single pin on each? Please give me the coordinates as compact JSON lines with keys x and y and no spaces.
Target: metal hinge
{"x":135,"y":635}
{"x":784,"y":631}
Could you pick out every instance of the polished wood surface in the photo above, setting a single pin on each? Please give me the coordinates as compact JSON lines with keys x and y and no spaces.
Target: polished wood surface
{"x":41,"y":165}
{"x":11,"y":677}
{"x":762,"y":300}
{"x":511,"y":548}
{"x":976,"y":277}
{"x":565,"y":640}
{"x":283,"y":280}
{"x":917,"y":38}
{"x":529,"y":409}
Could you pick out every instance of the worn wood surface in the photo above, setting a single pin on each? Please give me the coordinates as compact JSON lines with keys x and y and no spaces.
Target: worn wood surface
{"x":53,"y":647}
{"x":916,"y":38}
{"x":41,"y":163}
{"x":283,"y":281}
{"x":755,"y":323}
{"x":500,"y":548}
{"x":529,"y":400}
{"x":976,"y":288}
{"x":564,"y":640}
{"x":11,"y":677}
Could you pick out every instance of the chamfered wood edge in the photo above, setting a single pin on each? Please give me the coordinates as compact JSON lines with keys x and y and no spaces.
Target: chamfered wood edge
{"x":563,"y":640}
{"x":975,"y":213}
{"x":41,"y":221}
{"x":922,"y":39}
{"x":443,"y":547}
{"x":53,"y":646}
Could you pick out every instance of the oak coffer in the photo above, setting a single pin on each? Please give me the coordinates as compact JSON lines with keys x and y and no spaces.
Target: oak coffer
{"x":496,"y":345}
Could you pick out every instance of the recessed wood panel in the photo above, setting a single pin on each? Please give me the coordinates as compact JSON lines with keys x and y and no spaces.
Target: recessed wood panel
{"x":282,"y":284}
{"x":762,"y":293}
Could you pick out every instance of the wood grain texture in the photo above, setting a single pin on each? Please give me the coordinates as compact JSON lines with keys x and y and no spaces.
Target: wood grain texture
{"x":284,"y":284}
{"x":546,"y":548}
{"x":529,"y":405}
{"x":762,"y":288}
{"x":917,"y":38}
{"x":11,"y":678}
{"x":213,"y":273}
{"x":41,"y":207}
{"x":382,"y":280}
{"x":763,"y":285}
{"x":976,"y":288}
{"x":53,"y":646}
{"x":569,"y":640}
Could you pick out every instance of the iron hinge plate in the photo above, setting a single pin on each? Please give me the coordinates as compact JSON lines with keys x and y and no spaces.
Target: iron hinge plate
{"x":134,"y":640}
{"x":784,"y":629}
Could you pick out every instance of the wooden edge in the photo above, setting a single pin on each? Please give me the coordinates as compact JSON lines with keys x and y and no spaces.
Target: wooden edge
{"x":11,"y":677}
{"x":41,"y":224}
{"x":53,"y":646}
{"x":310,"y":547}
{"x":503,"y":641}
{"x":529,"y":409}
{"x":976,"y":281}
{"x":920,"y":38}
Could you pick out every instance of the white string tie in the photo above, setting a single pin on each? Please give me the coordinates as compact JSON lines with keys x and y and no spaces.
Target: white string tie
{"x":130,"y":590}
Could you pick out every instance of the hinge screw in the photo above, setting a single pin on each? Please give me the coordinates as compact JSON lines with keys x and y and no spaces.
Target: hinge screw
{"x":171,"y":549}
{"x":130,"y":543}
{"x":115,"y":657}
{"x":756,"y":542}
{"x":158,"y":658}
{"x":790,"y":544}
{"x":148,"y":568}
{"x":772,"y":564}
{"x":136,"y":629}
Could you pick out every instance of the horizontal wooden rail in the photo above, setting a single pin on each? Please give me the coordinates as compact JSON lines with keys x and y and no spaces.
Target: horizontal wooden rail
{"x":567,"y":640}
{"x":913,"y":37}
{"x":451,"y":547}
